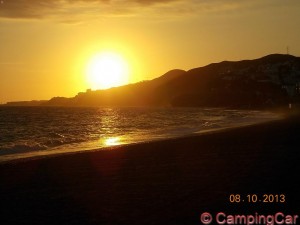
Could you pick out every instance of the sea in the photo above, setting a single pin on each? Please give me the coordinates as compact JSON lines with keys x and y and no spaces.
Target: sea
{"x":41,"y":131}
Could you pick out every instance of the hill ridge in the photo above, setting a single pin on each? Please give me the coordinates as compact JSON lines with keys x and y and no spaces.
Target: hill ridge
{"x":269,"y":81}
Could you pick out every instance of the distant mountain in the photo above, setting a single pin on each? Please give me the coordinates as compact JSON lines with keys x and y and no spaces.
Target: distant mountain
{"x":138,"y":94}
{"x":269,"y":81}
{"x":25,"y":103}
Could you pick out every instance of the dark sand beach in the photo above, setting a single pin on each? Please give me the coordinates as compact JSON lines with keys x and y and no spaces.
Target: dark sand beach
{"x":165,"y":182}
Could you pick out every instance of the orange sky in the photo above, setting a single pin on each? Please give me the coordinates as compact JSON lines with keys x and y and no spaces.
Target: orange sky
{"x":46,"y":45}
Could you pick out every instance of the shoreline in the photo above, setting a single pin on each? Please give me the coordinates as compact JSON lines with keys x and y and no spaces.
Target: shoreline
{"x":165,"y":182}
{"x":40,"y":154}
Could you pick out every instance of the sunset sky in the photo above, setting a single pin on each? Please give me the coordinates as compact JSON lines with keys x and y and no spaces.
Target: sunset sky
{"x":47,"y":45}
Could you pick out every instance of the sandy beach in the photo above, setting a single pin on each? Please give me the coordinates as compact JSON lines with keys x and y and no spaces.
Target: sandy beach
{"x":164,"y":182}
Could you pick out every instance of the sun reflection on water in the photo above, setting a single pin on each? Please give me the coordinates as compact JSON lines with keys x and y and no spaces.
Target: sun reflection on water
{"x":112,"y":141}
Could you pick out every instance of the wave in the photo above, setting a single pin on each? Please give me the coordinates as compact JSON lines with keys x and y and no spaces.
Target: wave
{"x":82,"y":129}
{"x":22,"y":148}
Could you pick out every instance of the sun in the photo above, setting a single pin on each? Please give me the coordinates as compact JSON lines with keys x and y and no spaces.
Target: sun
{"x":106,"y":70}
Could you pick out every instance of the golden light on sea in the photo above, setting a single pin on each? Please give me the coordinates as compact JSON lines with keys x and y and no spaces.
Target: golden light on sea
{"x":112,"y":141}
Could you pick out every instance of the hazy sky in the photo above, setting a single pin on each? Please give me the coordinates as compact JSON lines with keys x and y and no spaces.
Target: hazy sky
{"x":45,"y":45}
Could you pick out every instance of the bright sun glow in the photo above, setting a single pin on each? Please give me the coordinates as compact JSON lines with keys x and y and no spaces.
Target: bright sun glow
{"x":112,"y":141}
{"x":107,"y":69}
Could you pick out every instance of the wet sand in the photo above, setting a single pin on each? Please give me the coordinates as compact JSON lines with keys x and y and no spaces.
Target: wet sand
{"x":164,"y":182}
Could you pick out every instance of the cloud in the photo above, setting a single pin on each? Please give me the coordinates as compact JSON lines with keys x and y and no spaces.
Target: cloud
{"x":41,"y":8}
{"x":151,"y":2}
{"x":76,"y":10}
{"x":24,"y":9}
{"x":45,"y":8}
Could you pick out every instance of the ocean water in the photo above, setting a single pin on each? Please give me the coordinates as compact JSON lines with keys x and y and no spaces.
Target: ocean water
{"x":38,"y":131}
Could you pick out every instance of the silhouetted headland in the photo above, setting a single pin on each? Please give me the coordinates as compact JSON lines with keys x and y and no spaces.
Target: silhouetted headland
{"x":270,"y":81}
{"x":25,"y":103}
